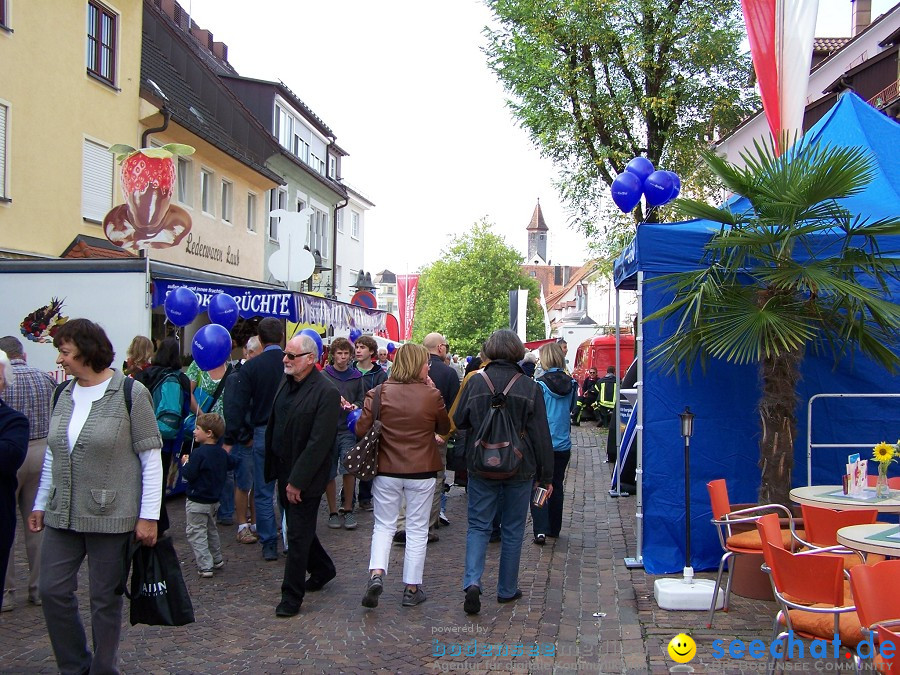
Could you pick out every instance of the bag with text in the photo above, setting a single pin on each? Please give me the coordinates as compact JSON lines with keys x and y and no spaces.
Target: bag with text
{"x":159,"y":596}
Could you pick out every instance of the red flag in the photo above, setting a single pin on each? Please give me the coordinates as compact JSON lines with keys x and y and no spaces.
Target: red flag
{"x":407,"y":291}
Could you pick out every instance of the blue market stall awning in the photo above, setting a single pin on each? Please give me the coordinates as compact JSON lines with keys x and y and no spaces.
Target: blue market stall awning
{"x":252,"y":302}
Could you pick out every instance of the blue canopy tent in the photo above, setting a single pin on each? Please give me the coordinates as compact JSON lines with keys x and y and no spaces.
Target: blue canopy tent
{"x":724,"y":398}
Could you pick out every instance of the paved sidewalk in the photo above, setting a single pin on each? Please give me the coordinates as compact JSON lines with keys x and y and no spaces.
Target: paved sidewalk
{"x":582,"y":609}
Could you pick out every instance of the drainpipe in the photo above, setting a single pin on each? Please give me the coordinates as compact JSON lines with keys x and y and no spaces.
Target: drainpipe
{"x":165,"y":125}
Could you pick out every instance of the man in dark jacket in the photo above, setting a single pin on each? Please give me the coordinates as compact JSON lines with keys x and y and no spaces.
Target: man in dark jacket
{"x":298,"y":439}
{"x":372,"y":375}
{"x":607,"y":393}
{"x":525,"y":406}
{"x":251,"y":398}
{"x":446,"y":380}
{"x":587,"y":399}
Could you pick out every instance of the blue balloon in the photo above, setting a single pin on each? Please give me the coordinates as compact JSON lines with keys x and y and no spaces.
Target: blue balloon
{"x":315,"y":337}
{"x":640,"y":167}
{"x":677,"y":182}
{"x":468,"y":359}
{"x":626,"y":191}
{"x":352,"y":418}
{"x":391,"y":347}
{"x":211,"y":346}
{"x":354,"y":334}
{"x":182,"y":306}
{"x":223,"y":310}
{"x":658,"y":188}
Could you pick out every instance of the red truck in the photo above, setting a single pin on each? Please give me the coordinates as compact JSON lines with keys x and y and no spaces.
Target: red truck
{"x":600,"y":352}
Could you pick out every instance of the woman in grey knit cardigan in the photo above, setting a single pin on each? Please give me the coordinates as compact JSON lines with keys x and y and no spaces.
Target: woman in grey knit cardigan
{"x":100,"y":486}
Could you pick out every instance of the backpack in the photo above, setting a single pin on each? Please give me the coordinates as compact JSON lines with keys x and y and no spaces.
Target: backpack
{"x":170,"y":404}
{"x":128,"y":385}
{"x":497,"y":445}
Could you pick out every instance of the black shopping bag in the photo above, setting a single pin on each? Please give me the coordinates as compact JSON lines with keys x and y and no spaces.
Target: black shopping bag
{"x":159,"y":596}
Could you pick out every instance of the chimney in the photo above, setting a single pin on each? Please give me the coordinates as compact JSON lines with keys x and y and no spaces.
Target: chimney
{"x":203,"y":37}
{"x":861,"y":16}
{"x":220,"y":51}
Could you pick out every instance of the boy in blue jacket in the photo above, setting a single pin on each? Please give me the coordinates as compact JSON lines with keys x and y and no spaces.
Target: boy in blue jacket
{"x":205,"y":470}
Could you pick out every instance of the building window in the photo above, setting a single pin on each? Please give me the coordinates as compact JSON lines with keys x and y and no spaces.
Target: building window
{"x":301,"y":204}
{"x":340,"y":220}
{"x":227,"y":201}
{"x":318,"y":232}
{"x":206,"y":197}
{"x":354,"y":224}
{"x":316,"y":163}
{"x":4,"y":117}
{"x":332,"y":167}
{"x":251,"y":212}
{"x":284,"y":124}
{"x":96,"y":181}
{"x":184,"y":180}
{"x":301,"y":149}
{"x":101,"y":42}
{"x":277,"y":200}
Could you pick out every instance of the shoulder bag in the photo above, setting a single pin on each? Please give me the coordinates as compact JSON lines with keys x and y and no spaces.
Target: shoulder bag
{"x":362,"y":459}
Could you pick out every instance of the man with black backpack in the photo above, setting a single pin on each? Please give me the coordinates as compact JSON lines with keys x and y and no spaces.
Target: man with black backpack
{"x":507,"y":445}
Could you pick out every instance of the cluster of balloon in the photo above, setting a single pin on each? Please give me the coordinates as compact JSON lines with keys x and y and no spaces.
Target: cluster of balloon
{"x":355,"y":333}
{"x":352,"y":417}
{"x":182,"y":306}
{"x":391,"y":347}
{"x":641,"y":178}
{"x":315,"y":337}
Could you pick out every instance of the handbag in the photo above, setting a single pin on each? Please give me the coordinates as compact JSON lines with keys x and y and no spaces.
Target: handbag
{"x":362,"y":459}
{"x":159,"y":596}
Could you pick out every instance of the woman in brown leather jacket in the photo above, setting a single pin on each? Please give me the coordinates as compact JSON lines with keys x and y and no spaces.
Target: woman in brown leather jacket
{"x":412,"y":412}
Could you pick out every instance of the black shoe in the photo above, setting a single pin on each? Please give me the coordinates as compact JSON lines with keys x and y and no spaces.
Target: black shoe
{"x":318,"y":583}
{"x":270,"y":551}
{"x":373,"y":590}
{"x":515,"y":596}
{"x":472,"y":605}
{"x":540,"y":539}
{"x":413,"y":598}
{"x":576,"y":423}
{"x":432,"y":537}
{"x":400,"y":537}
{"x":287,"y":608}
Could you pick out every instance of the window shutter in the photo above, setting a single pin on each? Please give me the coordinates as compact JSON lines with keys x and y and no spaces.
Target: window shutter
{"x":97,"y":181}
{"x":2,"y":151}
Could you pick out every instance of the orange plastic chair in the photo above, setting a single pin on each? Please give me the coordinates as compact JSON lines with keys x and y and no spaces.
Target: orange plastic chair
{"x":885,"y":664}
{"x":893,"y":484}
{"x":876,"y":593}
{"x":737,"y":536}
{"x":821,"y":526}
{"x":809,"y":588}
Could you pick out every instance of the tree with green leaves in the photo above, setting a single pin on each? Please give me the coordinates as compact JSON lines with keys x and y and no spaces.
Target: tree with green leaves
{"x":465,"y":295}
{"x":597,"y":82}
{"x":790,"y":270}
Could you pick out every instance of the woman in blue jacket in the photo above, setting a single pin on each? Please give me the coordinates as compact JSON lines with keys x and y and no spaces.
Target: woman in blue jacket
{"x":560,"y":395}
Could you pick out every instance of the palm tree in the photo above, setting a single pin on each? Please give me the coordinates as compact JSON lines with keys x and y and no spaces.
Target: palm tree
{"x":789,"y":270}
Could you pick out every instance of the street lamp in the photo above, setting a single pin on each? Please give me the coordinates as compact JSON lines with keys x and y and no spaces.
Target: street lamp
{"x":687,"y":592}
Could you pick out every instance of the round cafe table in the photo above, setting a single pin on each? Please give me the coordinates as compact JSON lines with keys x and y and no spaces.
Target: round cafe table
{"x":832,"y":497}
{"x":873,"y":538}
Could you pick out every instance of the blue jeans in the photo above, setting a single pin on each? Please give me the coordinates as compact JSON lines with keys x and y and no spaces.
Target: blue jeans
{"x":263,"y":492}
{"x":484,"y":496}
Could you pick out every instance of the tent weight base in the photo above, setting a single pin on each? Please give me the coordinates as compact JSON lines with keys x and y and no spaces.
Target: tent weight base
{"x":634,"y":563}
{"x":618,"y":493}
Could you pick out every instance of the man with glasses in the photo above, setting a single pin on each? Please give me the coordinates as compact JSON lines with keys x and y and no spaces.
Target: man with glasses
{"x":298,"y":439}
{"x":447,"y":382}
{"x":587,"y":399}
{"x":250,"y":399}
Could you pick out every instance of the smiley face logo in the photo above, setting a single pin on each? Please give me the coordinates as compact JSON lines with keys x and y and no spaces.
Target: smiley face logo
{"x":682,"y":648}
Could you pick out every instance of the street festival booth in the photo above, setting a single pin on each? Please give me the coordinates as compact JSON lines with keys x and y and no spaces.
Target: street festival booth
{"x":126,"y":297}
{"x":725,"y":396}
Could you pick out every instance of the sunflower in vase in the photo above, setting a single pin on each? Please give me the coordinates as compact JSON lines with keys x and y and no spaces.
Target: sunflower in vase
{"x":885,"y":454}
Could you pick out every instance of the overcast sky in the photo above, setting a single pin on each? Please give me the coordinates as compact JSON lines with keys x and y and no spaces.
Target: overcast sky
{"x":405,"y":88}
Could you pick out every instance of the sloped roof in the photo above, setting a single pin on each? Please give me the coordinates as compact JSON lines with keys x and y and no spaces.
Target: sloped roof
{"x":829,"y":44}
{"x":537,"y":219}
{"x":85,"y":246}
{"x":385,"y":277}
{"x":576,"y":278}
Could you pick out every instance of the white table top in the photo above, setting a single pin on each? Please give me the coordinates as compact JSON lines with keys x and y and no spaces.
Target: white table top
{"x":832,"y":497}
{"x":858,"y":537}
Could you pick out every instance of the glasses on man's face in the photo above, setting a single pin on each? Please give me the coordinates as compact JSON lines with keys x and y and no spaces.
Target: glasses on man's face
{"x":291,"y":357}
{"x":446,"y":346}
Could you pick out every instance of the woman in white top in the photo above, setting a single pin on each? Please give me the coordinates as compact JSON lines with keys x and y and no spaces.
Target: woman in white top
{"x":101,"y":486}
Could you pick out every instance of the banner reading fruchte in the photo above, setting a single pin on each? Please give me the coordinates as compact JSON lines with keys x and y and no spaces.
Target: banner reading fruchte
{"x":407,"y":292}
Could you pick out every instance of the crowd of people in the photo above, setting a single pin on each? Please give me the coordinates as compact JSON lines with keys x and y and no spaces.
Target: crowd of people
{"x":259,"y":443}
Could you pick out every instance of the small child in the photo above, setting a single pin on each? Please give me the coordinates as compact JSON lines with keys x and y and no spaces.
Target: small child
{"x":205,"y":470}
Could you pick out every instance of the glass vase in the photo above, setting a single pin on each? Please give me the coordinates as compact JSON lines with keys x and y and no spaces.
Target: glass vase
{"x":881,"y":484}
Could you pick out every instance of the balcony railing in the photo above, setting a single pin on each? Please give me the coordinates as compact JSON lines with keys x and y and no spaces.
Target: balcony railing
{"x":887,"y":94}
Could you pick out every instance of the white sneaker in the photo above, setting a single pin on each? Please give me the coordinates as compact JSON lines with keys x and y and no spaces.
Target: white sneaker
{"x":443,"y":519}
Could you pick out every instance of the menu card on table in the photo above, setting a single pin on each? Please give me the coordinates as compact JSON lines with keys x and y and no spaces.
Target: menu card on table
{"x":856,"y":480}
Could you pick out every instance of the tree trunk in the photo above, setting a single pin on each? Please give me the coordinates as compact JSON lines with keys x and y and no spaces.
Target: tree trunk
{"x":778,"y":419}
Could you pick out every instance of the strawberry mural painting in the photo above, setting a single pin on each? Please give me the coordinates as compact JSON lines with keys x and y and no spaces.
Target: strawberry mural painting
{"x":147,"y":219}
{"x":41,"y":324}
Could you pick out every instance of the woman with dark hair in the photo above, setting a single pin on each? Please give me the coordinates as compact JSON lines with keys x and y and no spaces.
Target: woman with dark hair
{"x":524,"y":404}
{"x":170,"y":390}
{"x":100,"y":487}
{"x":411,"y":411}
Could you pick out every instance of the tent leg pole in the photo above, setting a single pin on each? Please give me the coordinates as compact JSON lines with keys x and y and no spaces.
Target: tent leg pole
{"x":638,"y":559}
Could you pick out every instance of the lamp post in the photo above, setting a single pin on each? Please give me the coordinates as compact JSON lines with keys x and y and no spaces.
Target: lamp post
{"x":687,"y":592}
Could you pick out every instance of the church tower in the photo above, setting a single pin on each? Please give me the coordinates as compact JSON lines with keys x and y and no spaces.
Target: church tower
{"x":537,"y":236}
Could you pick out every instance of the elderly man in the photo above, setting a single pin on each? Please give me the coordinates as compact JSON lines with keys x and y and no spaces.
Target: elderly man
{"x":29,"y":391}
{"x":299,"y":439}
{"x":447,"y":382}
